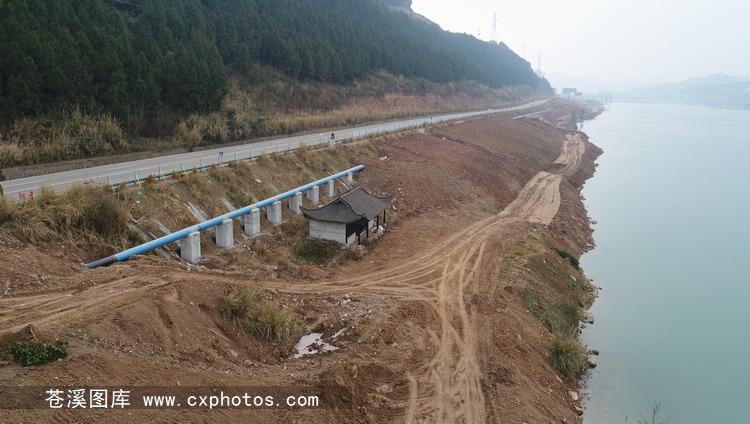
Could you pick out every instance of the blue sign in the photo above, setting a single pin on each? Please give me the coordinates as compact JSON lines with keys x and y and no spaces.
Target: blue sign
{"x":221,"y":153}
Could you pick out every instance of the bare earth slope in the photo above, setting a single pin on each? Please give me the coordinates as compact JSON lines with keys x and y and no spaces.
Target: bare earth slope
{"x":432,"y":323}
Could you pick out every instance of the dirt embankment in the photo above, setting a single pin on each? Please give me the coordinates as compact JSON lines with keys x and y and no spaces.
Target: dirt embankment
{"x":446,"y":318}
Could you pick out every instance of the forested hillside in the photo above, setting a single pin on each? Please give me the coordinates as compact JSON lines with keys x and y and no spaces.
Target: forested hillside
{"x":146,"y":63}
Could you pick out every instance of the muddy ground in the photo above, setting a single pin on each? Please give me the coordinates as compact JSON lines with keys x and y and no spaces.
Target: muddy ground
{"x":432,"y":324}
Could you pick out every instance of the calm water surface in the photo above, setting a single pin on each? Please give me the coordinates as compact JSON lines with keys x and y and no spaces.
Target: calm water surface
{"x":672,"y":199}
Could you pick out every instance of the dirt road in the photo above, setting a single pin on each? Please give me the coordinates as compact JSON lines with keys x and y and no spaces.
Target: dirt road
{"x":447,"y":388}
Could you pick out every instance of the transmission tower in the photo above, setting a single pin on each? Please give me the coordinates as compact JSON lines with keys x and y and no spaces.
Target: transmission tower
{"x":539,"y":66}
{"x":493,"y":34}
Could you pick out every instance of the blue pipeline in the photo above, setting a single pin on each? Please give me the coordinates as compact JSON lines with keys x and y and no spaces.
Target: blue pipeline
{"x":169,"y":238}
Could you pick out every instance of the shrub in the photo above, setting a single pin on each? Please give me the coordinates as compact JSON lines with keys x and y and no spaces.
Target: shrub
{"x":240,"y":304}
{"x":264,"y":320}
{"x":303,"y":149}
{"x":42,"y":219}
{"x":568,"y":356}
{"x":134,"y":238}
{"x":317,"y":251}
{"x":259,"y":248}
{"x":303,"y":153}
{"x":570,"y":257}
{"x":105,"y":217}
{"x":263,"y":160}
{"x":37,"y":353}
{"x":222,"y":175}
{"x":188,"y":137}
{"x":276,"y":324}
{"x":10,"y":154}
{"x":555,"y":317}
{"x":570,"y":312}
{"x":277,"y":157}
{"x":352,"y":255}
{"x":243,"y":169}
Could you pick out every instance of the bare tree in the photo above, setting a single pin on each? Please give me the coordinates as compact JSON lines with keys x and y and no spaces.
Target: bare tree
{"x":654,"y":415}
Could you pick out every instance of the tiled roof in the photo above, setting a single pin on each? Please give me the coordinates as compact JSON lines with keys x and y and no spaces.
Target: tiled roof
{"x":350,"y":207}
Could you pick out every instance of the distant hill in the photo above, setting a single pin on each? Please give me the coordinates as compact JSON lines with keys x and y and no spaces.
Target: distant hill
{"x":718,"y":90}
{"x":144,"y":59}
{"x":397,"y":3}
{"x":588,"y":86}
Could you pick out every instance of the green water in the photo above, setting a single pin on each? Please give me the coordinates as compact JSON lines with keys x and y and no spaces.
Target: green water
{"x":672,"y":199}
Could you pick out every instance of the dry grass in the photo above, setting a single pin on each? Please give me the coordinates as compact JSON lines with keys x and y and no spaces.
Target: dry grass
{"x":568,"y":356}
{"x":278,"y":107}
{"x":365,"y":148}
{"x":92,"y":213}
{"x":188,"y":137}
{"x":11,"y":154}
{"x":74,"y":135}
{"x":263,"y":319}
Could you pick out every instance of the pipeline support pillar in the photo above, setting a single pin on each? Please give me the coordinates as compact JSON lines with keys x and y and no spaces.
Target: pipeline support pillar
{"x":252,"y":223}
{"x":313,"y":194}
{"x":329,"y":188}
{"x":190,"y":247}
{"x":295,"y":202}
{"x":225,"y":234}
{"x":273,"y":213}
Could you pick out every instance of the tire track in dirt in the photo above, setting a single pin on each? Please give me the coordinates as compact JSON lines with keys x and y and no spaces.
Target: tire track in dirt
{"x":447,"y":388}
{"x":538,"y":201}
{"x":56,"y":307}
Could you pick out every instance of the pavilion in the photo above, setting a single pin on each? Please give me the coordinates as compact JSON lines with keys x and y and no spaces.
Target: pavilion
{"x":347,"y":216}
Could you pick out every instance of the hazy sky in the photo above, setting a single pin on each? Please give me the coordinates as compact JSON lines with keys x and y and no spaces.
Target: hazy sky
{"x":641,"y":41}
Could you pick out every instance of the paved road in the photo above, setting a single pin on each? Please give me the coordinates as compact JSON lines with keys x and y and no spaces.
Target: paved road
{"x":128,"y":171}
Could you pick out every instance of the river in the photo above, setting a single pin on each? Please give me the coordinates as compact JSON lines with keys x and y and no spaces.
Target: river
{"x":672,"y":199}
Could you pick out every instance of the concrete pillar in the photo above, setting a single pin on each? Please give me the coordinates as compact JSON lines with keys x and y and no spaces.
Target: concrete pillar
{"x":225,"y":234}
{"x":329,"y":188}
{"x":295,"y":202}
{"x":252,"y":223}
{"x":190,"y":247}
{"x":348,"y":177}
{"x":313,"y":194}
{"x":273,"y":213}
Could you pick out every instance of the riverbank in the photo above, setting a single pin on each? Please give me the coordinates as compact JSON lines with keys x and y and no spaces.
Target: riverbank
{"x":448,"y":317}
